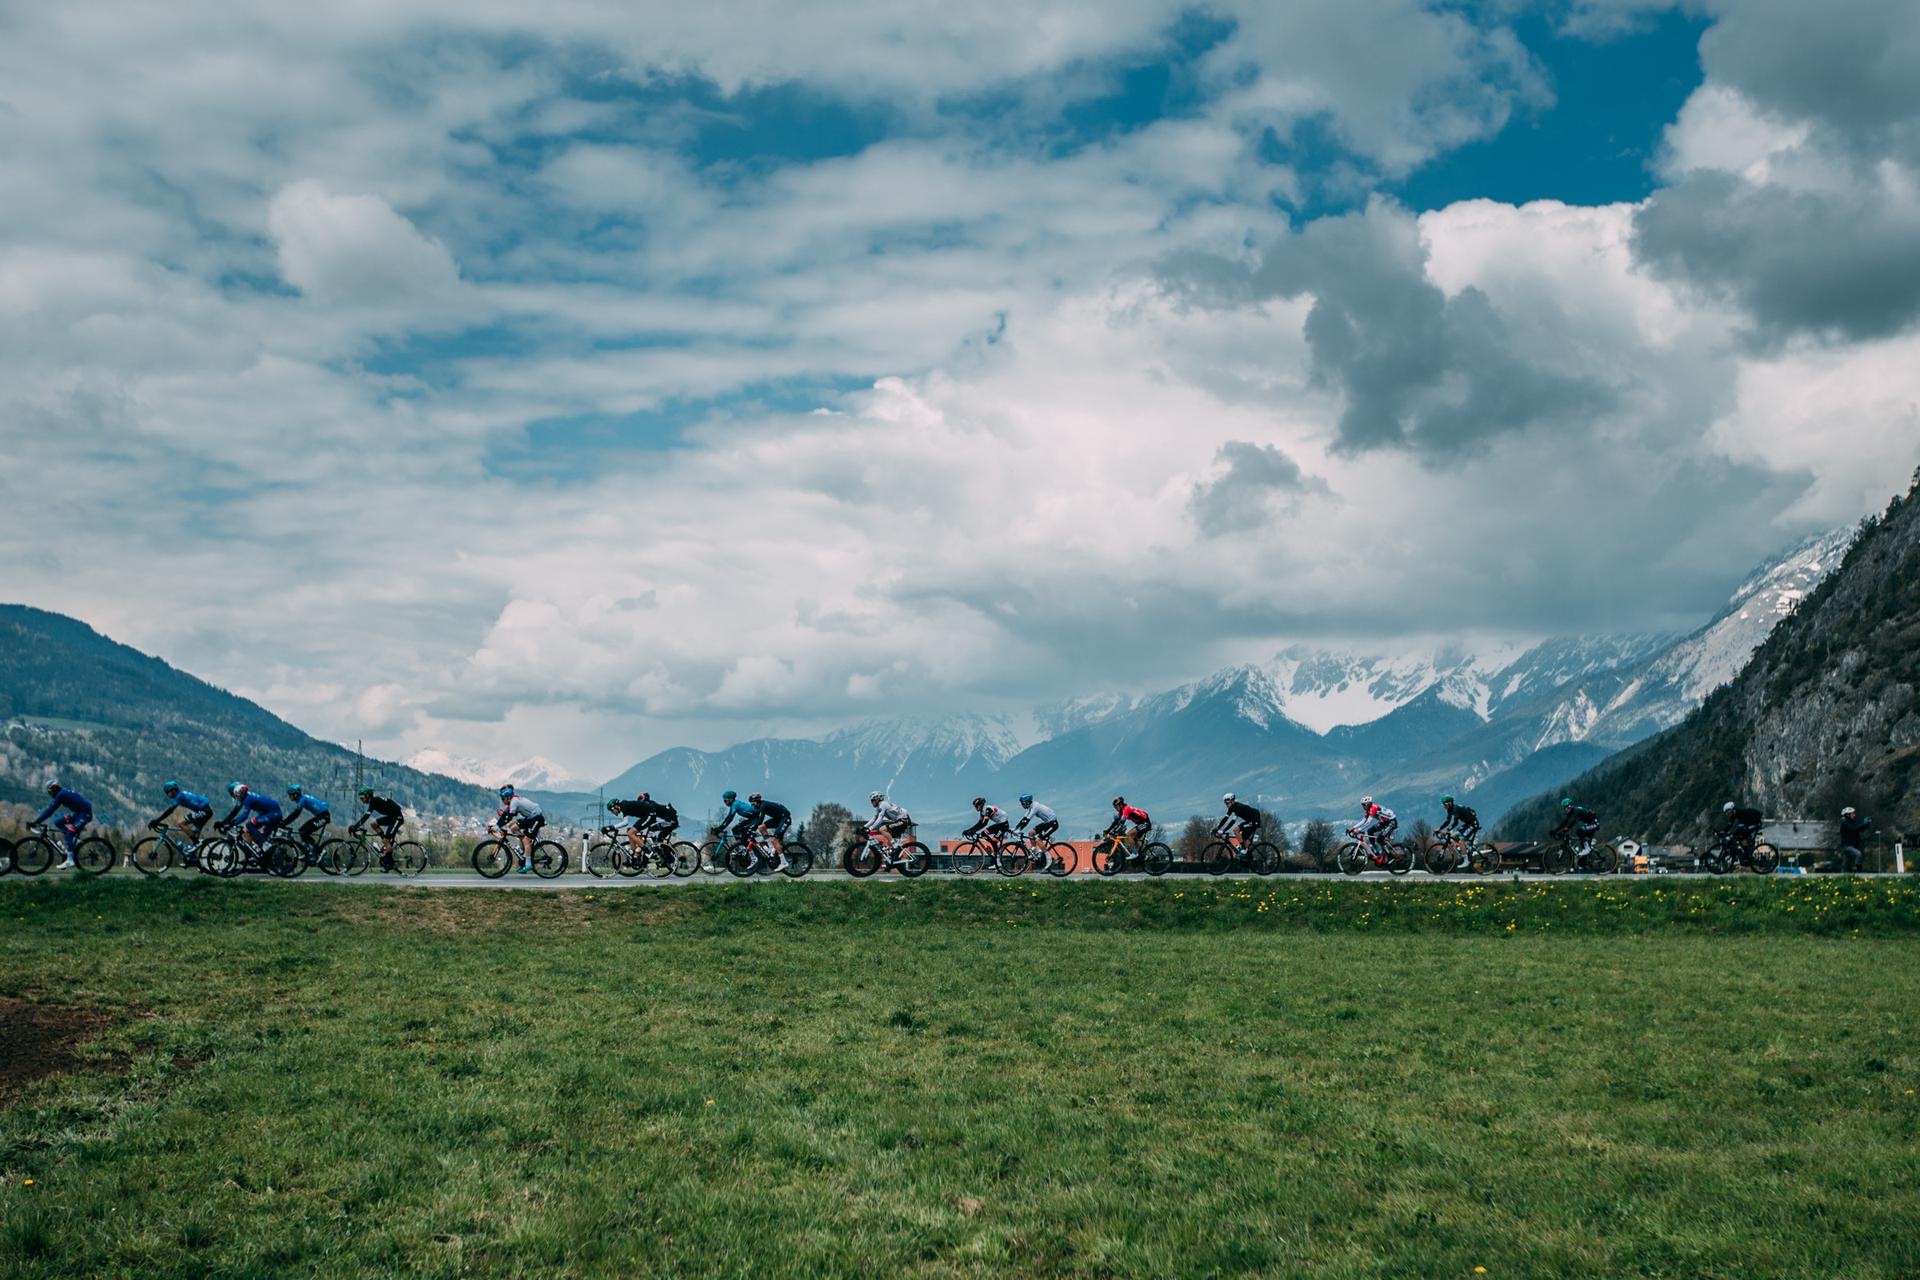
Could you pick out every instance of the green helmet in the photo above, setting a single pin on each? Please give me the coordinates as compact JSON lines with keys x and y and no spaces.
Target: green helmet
{"x":365,"y":792}
{"x":1446,"y":800}
{"x":1566,"y":802}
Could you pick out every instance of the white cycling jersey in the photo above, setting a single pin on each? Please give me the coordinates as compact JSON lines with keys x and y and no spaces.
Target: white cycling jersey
{"x":887,"y":815}
{"x":521,"y":807}
{"x":1039,"y":814}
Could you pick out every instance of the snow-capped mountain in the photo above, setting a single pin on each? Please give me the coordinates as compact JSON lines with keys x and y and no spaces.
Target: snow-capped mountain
{"x":533,"y":774}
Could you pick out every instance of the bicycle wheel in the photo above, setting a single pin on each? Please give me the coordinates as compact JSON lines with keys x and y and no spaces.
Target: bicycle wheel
{"x":1062,"y":859}
{"x":409,"y":858}
{"x":1156,"y":859}
{"x":1765,"y":859}
{"x":1217,"y":858}
{"x":799,"y":859}
{"x":33,"y":855}
{"x":1109,"y":856}
{"x":600,"y":859}
{"x":713,"y":858}
{"x":1351,"y":858}
{"x":492,"y":858}
{"x":1400,"y":859}
{"x":686,"y":858}
{"x":231,"y":859}
{"x":1265,"y":857}
{"x":549,"y":859}
{"x":93,"y":856}
{"x":862,"y":860}
{"x":1012,"y":860}
{"x":6,"y":855}
{"x":151,"y":856}
{"x":1556,"y":860}
{"x":283,"y":859}
{"x":1484,"y":859}
{"x":1441,"y":859}
{"x":1602,"y":860}
{"x":914,"y":859}
{"x":659,"y":859}
{"x":968,"y":857}
{"x":743,"y":860}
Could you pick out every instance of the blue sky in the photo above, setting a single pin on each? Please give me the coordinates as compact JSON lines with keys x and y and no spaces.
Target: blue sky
{"x":622,"y":380}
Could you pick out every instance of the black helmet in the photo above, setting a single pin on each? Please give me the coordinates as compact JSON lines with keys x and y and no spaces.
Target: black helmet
{"x":643,"y":796}
{"x":754,"y":798}
{"x":979,"y":802}
{"x":1119,"y":801}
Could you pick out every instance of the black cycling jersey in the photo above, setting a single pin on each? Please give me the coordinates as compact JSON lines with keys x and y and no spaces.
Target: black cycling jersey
{"x":1460,"y":817}
{"x":774,"y":812}
{"x":385,"y":808}
{"x":1853,"y":830}
{"x":1243,"y":811}
{"x":1748,"y":818}
{"x":1578,"y":816}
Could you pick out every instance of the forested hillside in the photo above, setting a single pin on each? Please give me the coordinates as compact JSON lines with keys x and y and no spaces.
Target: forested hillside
{"x":1826,"y":713}
{"x":119,"y":723}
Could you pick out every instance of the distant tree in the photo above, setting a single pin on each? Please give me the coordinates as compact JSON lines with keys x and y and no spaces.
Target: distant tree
{"x":1422,"y":833}
{"x":1316,"y":842}
{"x":828,"y":829}
{"x":1274,"y":832}
{"x":1193,"y":839}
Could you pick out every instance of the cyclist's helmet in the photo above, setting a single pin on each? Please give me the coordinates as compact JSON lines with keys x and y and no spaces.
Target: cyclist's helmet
{"x":1227,"y":798}
{"x":754,"y":798}
{"x":1847,"y":812}
{"x":729,"y":797}
{"x":293,"y":792}
{"x":1728,"y":807}
{"x":1026,"y":800}
{"x":236,"y":789}
{"x":53,"y":786}
{"x":171,"y":787}
{"x":874,"y":798}
{"x":506,"y":792}
{"x":1566,"y":802}
{"x":1366,"y":802}
{"x":979,"y":802}
{"x":643,"y":797}
{"x":613,"y":806}
{"x":1447,"y":801}
{"x":366,"y":793}
{"x":1119,"y":801}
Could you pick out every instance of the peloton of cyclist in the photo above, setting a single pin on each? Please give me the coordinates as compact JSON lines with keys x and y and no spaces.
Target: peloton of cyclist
{"x":992,"y":822}
{"x":199,"y":810}
{"x":1461,"y":821}
{"x":645,"y":818}
{"x":309,"y":830}
{"x":1377,"y":823}
{"x":78,"y":817}
{"x":262,"y":814}
{"x":521,"y":817}
{"x":386,"y":817}
{"x":1045,"y":823}
{"x":1242,"y":817}
{"x":1582,"y":823}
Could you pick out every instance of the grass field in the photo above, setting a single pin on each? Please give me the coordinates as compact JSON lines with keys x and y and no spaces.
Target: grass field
{"x":970,"y":1079}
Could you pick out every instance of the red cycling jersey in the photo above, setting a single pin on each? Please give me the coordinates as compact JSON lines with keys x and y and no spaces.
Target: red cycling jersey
{"x":1130,"y":814}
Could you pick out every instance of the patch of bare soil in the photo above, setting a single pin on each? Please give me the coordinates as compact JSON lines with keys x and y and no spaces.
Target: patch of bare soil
{"x":40,"y":1040}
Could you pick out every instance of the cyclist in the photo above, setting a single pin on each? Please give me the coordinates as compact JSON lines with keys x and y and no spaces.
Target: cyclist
{"x":1124,"y":813}
{"x":1045,"y":823}
{"x":645,"y":819}
{"x":1853,"y":839}
{"x":386,"y":817}
{"x":1743,"y":826}
{"x":198,"y":808}
{"x":1243,"y":817}
{"x":263,"y":815}
{"x":992,"y":824}
{"x":79,"y":816}
{"x":1377,"y":822}
{"x":1460,"y":819}
{"x":322,"y":815}
{"x":1579,"y":821}
{"x":733,"y":810}
{"x":520,"y":817}
{"x":888,"y":816}
{"x":772,"y":819}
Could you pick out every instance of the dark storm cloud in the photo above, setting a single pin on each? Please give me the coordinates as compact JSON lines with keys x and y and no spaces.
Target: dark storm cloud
{"x":1418,"y":369}
{"x":1842,"y":264}
{"x":1238,"y":500}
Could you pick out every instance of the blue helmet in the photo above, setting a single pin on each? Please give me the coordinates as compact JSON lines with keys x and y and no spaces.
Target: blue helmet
{"x":729,"y":796}
{"x":506,"y":792}
{"x":293,"y":791}
{"x":170,"y":786}
{"x":1026,"y":799}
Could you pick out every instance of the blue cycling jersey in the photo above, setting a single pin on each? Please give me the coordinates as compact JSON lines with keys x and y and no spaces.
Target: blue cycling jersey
{"x":312,"y":804}
{"x":197,"y":803}
{"x":262,"y":807}
{"x":73,"y":801}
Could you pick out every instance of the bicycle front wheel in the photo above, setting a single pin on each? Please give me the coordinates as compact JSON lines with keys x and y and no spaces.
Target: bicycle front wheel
{"x":968,"y":858}
{"x":151,"y":856}
{"x":686,"y":858}
{"x":1217,"y":858}
{"x":1441,"y":859}
{"x":1765,"y":859}
{"x":914,"y":859}
{"x":1156,"y":859}
{"x":1351,"y":858}
{"x":1012,"y":860}
{"x":1556,"y":860}
{"x":1109,"y":857}
{"x":285,"y":860}
{"x":799,"y":860}
{"x":862,"y":860}
{"x":33,"y":856}
{"x":600,"y":859}
{"x":492,"y":858}
{"x":713,"y":858}
{"x":409,"y":858}
{"x":1062,"y":860}
{"x":93,"y":856}
{"x":1265,"y":858}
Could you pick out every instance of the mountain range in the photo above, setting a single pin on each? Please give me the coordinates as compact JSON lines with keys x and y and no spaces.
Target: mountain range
{"x":1825,"y":713}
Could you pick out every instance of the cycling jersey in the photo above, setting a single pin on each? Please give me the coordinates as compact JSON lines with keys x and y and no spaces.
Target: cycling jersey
{"x":1748,"y":818}
{"x":382,"y":811}
{"x":651,"y":813}
{"x":1379,"y":819}
{"x":198,"y":807}
{"x":888,"y":815}
{"x":992,"y":818}
{"x":1241,"y":812}
{"x":1459,"y":818}
{"x":1581,"y":817}
{"x":258,"y":810}
{"x":1136,"y":816}
{"x":776,"y":815}
{"x":1853,"y":830}
{"x":520,"y":807}
{"x":72,"y":801}
{"x":739,"y":811}
{"x":1040,"y":816}
{"x":313,"y":805}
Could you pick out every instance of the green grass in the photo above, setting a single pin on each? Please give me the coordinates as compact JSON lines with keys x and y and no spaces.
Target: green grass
{"x":972,"y":1079}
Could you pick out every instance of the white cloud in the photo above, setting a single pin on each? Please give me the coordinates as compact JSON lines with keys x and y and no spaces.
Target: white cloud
{"x":355,"y":248}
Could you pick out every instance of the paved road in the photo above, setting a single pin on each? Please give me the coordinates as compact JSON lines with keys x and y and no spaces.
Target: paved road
{"x":576,"y":880}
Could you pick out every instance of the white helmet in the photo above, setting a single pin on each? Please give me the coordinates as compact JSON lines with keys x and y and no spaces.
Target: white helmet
{"x":1727,"y":807}
{"x":875,"y":798}
{"x":1227,"y":798}
{"x":1844,"y":812}
{"x":1365,"y":801}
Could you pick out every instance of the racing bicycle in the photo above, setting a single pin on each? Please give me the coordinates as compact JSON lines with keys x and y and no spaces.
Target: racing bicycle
{"x":92,"y":854}
{"x":657,"y":856}
{"x":158,"y":853}
{"x":503,"y":853}
{"x":1114,"y":850}
{"x":874,"y":851}
{"x":755,"y":856}
{"x":353,"y":854}
{"x":1005,"y":853}
{"x":1729,"y":851}
{"x":1361,"y":853}
{"x":1229,"y":854}
{"x":1449,"y":853}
